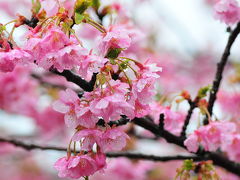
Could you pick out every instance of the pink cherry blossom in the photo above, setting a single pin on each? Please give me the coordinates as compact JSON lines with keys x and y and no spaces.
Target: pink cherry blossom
{"x":140,"y":109}
{"x":113,"y":140}
{"x":192,"y":143}
{"x":173,"y":121}
{"x":100,"y":160}
{"x":143,"y":88}
{"x":7,"y":7}
{"x":68,"y":104}
{"x":18,"y":94}
{"x":227,"y":11}
{"x":89,"y":137}
{"x":76,"y":112}
{"x":111,"y":102}
{"x":9,"y":59}
{"x":54,"y":48}
{"x":210,"y":136}
{"x":91,"y":64}
{"x":231,"y":146}
{"x":125,"y":169}
{"x":229,"y":102}
{"x":49,"y":120}
{"x":76,"y":166}
{"x":52,"y":6}
{"x":64,"y":58}
{"x":86,"y":117}
{"x":86,"y":31}
{"x":115,"y":37}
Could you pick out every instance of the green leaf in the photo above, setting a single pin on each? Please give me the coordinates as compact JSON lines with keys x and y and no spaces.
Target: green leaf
{"x":82,"y":5}
{"x":2,"y":28}
{"x":123,"y":65}
{"x":188,"y":165}
{"x":101,"y":78}
{"x":36,"y":6}
{"x":78,"y":18}
{"x":203,"y":91}
{"x":113,"y":53}
{"x":96,"y":4}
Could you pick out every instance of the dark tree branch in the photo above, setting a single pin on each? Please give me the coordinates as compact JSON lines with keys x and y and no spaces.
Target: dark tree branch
{"x":110,"y":155}
{"x":220,"y":68}
{"x":30,"y":146}
{"x":31,"y":23}
{"x":72,"y":77}
{"x":218,"y":159}
{"x":122,"y":121}
{"x":149,"y":125}
{"x":154,"y":158}
{"x":188,"y":117}
{"x":47,"y":84}
{"x":161,"y":122}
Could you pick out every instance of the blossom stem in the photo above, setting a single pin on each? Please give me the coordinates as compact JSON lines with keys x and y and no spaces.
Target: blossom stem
{"x":135,"y":72}
{"x":188,"y":117}
{"x":96,"y":25}
{"x":13,"y":21}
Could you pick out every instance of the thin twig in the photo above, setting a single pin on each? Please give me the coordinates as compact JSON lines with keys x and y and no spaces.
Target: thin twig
{"x":72,"y":77}
{"x":220,"y":68}
{"x":154,"y":158}
{"x":188,"y":117}
{"x":218,"y":159}
{"x":130,"y":155}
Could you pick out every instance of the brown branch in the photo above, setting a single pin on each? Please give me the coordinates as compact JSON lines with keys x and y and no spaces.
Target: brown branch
{"x":129,"y":155}
{"x":30,"y":146}
{"x":193,"y":105}
{"x":74,"y":78}
{"x":154,"y":158}
{"x":220,"y":68}
{"x":218,"y":159}
{"x":47,"y":84}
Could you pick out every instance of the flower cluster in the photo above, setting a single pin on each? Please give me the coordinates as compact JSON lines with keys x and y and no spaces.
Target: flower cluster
{"x":123,"y":86}
{"x":173,"y":121}
{"x":214,"y":136}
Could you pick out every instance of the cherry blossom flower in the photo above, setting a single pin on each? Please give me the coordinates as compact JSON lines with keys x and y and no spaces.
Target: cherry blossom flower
{"x":173,"y":121}
{"x":52,"y":6}
{"x":91,"y":64}
{"x":192,"y":143}
{"x":231,"y":146}
{"x":210,"y":136}
{"x":18,"y":94}
{"x":229,"y":102}
{"x":227,"y":11}
{"x":89,"y":137}
{"x":49,"y":120}
{"x":86,"y":117}
{"x":113,"y":140}
{"x":100,"y":160}
{"x":68,"y":104}
{"x":143,"y":88}
{"x":55,"y":49}
{"x":111,"y":102}
{"x":124,"y":169}
{"x":115,"y":37}
{"x":9,"y":59}
{"x":76,"y":166}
